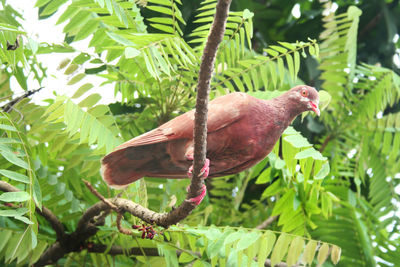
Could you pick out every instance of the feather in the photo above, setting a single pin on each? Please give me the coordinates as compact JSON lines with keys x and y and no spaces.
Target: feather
{"x":241,"y":131}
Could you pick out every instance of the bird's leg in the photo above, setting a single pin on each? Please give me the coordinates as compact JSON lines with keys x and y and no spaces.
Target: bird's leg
{"x":204,"y":174}
{"x":197,"y":200}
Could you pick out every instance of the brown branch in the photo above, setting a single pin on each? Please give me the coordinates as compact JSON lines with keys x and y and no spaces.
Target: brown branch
{"x":9,"y":106}
{"x":267,"y":222}
{"x":200,"y":123}
{"x":75,"y":242}
{"x":99,"y":196}
{"x":325,"y":143}
{"x":203,"y":89}
{"x":45,"y":212}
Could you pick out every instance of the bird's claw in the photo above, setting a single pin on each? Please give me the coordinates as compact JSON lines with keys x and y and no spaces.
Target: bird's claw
{"x":204,"y":172}
{"x":197,"y":200}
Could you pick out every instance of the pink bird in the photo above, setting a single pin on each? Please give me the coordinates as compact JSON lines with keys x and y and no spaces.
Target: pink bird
{"x":242,"y":130}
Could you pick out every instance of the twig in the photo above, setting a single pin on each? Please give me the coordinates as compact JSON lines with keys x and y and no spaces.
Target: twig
{"x":112,"y":206}
{"x":99,"y":196}
{"x":267,"y":222}
{"x":9,"y":106}
{"x":120,"y":228}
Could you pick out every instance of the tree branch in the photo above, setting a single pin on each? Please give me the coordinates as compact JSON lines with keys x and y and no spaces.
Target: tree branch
{"x":267,"y":222}
{"x":203,"y":90}
{"x":87,"y":227}
{"x":9,"y":106}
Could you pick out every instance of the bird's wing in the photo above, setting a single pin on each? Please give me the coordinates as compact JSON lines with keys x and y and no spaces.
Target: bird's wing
{"x":222,"y":112}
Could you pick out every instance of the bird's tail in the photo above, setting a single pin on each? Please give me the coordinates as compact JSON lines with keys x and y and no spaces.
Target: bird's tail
{"x":128,"y":164}
{"x":118,"y":171}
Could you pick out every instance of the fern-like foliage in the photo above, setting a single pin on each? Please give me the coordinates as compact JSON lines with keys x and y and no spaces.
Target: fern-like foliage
{"x":363,"y":146}
{"x":17,"y":209}
{"x":338,"y":57}
{"x":171,"y":16}
{"x":156,"y":74}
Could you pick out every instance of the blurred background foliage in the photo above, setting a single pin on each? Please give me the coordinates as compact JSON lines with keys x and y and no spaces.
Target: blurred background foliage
{"x":334,"y":179}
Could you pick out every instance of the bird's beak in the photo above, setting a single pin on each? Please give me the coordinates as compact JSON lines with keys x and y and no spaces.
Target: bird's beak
{"x":314,"y":107}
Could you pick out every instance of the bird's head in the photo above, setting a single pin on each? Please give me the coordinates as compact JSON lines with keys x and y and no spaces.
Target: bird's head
{"x":305,"y":96}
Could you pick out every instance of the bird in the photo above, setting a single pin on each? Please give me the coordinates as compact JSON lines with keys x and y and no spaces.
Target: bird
{"x":241,"y":131}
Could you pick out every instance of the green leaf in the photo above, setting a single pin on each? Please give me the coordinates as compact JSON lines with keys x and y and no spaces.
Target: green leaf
{"x":11,"y":157}
{"x":186,"y":257}
{"x":14,"y":197}
{"x":289,"y":61}
{"x":8,"y":128}
{"x":63,"y":63}
{"x":233,"y":237}
{"x":247,"y":14}
{"x":297,"y":140}
{"x":267,"y":243}
{"x":264,"y":177}
{"x":52,"y":7}
{"x":323,"y":172}
{"x":23,"y":219}
{"x":90,"y":101}
{"x":335,"y":254}
{"x":280,"y":249}
{"x":131,"y":52}
{"x":309,"y":252}
{"x":71,"y":69}
{"x":76,"y":78}
{"x":279,"y":49}
{"x":120,"y":39}
{"x":295,"y":249}
{"x":12,"y":213}
{"x":310,"y":153}
{"x":324,"y":99}
{"x":15,"y":176}
{"x":248,"y":240}
{"x":281,"y":70}
{"x":323,"y":254}
{"x":272,"y":189}
{"x":83,"y":89}
{"x":284,"y":202}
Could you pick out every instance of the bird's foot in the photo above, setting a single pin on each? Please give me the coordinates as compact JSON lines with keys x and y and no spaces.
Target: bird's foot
{"x":203,"y":172}
{"x":197,"y":200}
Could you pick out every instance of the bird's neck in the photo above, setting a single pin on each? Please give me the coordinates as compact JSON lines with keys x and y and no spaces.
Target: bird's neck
{"x":287,"y":110}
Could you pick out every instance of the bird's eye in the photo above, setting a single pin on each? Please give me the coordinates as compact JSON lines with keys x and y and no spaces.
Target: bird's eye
{"x":304,"y":92}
